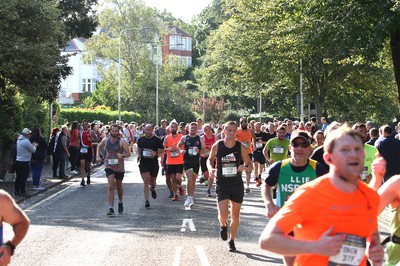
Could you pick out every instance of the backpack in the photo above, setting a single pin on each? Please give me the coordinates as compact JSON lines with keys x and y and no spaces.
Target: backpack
{"x":50,"y":148}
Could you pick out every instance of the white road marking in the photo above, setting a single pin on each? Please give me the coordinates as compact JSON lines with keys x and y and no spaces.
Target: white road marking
{"x":202,"y":256}
{"x":178,"y":253}
{"x":188,"y":223}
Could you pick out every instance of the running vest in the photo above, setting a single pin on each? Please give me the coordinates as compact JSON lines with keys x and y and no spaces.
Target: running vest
{"x":192,"y":155}
{"x":175,"y":157}
{"x":111,"y":160}
{"x":393,"y":249}
{"x":84,"y":138}
{"x":289,"y":180}
{"x":228,"y":161}
{"x":245,"y":137}
{"x":208,"y":142}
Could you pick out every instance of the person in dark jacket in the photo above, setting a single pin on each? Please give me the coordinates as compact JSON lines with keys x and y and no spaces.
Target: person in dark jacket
{"x":37,"y":160}
{"x":50,"y":150}
{"x":61,"y":150}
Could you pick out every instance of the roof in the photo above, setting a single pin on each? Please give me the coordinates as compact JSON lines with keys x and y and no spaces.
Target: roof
{"x":75,"y":45}
{"x":174,"y":30}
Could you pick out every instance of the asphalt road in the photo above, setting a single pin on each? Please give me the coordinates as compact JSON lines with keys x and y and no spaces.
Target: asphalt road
{"x":69,"y":226}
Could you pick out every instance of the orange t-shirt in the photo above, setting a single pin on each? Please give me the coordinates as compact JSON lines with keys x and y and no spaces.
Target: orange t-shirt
{"x":246,"y":138}
{"x":318,"y":205}
{"x":175,"y":157}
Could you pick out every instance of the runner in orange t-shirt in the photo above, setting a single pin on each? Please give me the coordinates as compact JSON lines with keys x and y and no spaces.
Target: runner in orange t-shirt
{"x":334,"y":217}
{"x":246,"y":136}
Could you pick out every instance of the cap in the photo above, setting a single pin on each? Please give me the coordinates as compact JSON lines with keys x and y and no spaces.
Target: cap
{"x":26,"y":131}
{"x":300,"y":134}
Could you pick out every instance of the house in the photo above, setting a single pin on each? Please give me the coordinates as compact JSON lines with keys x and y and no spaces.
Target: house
{"x":84,"y":74}
{"x":179,"y":43}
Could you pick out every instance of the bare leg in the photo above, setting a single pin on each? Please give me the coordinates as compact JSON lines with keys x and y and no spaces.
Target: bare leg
{"x":223,"y":212}
{"x":110,"y":194}
{"x":120,"y":190}
{"x":191,"y":182}
{"x":235,"y":218}
{"x":146,"y":182}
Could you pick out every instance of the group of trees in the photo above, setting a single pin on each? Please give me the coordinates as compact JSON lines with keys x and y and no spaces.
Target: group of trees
{"x":350,"y":54}
{"x":31,"y":68}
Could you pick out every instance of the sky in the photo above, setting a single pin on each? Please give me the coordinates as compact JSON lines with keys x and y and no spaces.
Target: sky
{"x":183,"y":9}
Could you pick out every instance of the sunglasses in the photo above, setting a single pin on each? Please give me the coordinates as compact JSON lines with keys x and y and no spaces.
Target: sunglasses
{"x":301,"y":144}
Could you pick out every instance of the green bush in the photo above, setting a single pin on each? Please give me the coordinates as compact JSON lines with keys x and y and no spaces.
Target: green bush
{"x":104,"y":116}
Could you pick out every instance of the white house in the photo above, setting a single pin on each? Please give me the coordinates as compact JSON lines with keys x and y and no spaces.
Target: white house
{"x":84,"y":75}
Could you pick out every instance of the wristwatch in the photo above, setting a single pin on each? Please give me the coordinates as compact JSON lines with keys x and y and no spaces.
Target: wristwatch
{"x":12,"y":247}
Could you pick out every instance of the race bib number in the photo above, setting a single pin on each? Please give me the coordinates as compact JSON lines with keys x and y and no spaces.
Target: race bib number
{"x":278,"y":150}
{"x":258,"y":145}
{"x":192,"y":150}
{"x":112,"y":161}
{"x":147,"y":153}
{"x":84,"y":150}
{"x":174,"y":154}
{"x":246,"y":144}
{"x":364,"y":174}
{"x":351,"y":253}
{"x":229,"y":169}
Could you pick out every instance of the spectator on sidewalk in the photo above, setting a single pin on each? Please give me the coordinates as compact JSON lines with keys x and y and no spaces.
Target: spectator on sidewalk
{"x":74,"y":147}
{"x":61,"y":150}
{"x":50,"y":150}
{"x":24,"y":153}
{"x":37,"y":160}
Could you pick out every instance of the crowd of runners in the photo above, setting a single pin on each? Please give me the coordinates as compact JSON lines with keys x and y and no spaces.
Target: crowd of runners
{"x":318,"y":180}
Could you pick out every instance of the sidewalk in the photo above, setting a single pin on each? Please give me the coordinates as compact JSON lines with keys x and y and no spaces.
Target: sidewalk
{"x":46,"y":181}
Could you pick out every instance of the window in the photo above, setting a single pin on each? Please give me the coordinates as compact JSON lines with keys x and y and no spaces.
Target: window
{"x":88,"y":85}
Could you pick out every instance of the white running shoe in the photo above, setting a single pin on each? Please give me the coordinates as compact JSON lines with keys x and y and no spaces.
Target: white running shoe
{"x":191,"y":202}
{"x":187,"y":203}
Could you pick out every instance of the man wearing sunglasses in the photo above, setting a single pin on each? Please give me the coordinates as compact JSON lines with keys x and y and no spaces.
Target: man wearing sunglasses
{"x":290,"y":173}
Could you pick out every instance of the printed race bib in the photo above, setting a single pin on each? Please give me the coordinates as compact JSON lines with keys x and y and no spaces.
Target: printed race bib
{"x":192,"y":150}
{"x":147,"y":153}
{"x":278,"y":150}
{"x":258,"y":145}
{"x":84,"y":150}
{"x":112,"y":161}
{"x":174,"y":154}
{"x":229,"y":169}
{"x":351,"y":253}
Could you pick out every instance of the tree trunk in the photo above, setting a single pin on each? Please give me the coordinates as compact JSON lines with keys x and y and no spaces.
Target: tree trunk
{"x":395,"y":48}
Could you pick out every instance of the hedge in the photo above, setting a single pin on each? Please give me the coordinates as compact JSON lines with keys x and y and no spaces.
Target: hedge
{"x":104,"y":116}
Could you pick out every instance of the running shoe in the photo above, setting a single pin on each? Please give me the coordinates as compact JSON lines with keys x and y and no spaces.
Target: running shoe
{"x":191,"y":202}
{"x":83,"y":183}
{"x":175,"y":198}
{"x":231,"y":244}
{"x":206,"y":183}
{"x":187,"y":203}
{"x":171,"y":194}
{"x":258,"y":182}
{"x":153,"y":193}
{"x":247,"y":190}
{"x":110,"y":212}
{"x":120,"y":208}
{"x":224,"y":232}
{"x":202,"y":179}
{"x":147,"y":204}
{"x":181,"y":191}
{"x":88,"y":180}
{"x":208,"y":193}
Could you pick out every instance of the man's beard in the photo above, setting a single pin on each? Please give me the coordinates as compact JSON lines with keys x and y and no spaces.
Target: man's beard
{"x":173,"y":132}
{"x":244,"y":127}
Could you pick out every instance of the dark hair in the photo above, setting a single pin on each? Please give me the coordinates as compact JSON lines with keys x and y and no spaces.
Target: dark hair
{"x":36,"y":132}
{"x":75,"y":125}
{"x":54,"y":131}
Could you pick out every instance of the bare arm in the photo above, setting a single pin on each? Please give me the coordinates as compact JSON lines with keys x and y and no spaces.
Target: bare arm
{"x":248,"y":166}
{"x":273,"y":239}
{"x":125,"y":146}
{"x":100,"y":149}
{"x":389,"y":193}
{"x":272,"y":209}
{"x":14,"y":216}
{"x":211,"y":159}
